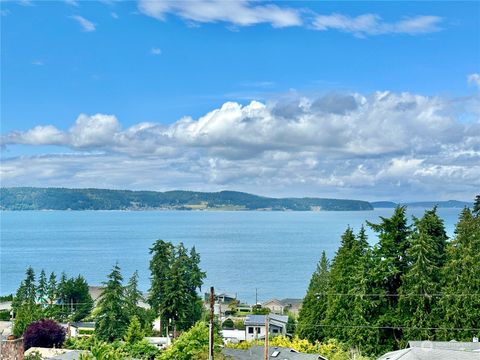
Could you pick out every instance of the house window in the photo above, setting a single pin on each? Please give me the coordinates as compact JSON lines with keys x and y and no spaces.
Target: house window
{"x":275,"y":331}
{"x":250,"y":330}
{"x":257,"y":330}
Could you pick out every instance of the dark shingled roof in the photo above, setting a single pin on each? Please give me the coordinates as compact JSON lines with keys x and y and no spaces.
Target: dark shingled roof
{"x":256,"y":352}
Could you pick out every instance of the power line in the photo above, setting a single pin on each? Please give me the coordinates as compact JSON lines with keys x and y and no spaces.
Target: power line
{"x":390,"y":327}
{"x":398,"y":295}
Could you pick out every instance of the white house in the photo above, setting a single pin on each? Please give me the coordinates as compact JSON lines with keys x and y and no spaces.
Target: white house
{"x":255,"y":326}
{"x":233,"y":336}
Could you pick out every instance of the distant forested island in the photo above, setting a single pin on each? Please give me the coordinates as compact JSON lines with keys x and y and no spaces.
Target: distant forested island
{"x":29,"y":198}
{"x":423,"y":204}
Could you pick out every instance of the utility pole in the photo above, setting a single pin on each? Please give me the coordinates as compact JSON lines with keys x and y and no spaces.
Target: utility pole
{"x":267,"y":333}
{"x":256,"y":297}
{"x":211,"y":339}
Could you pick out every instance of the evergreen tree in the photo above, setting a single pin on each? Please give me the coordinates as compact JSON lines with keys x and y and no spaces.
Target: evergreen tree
{"x":476,"y":206}
{"x":162,"y":258}
{"x":176,"y":278}
{"x":24,"y":304}
{"x":345,"y":275}
{"x":112,"y":319}
{"x":421,"y":282}
{"x":42,"y":288}
{"x":314,"y":307}
{"x":389,"y":265}
{"x":78,"y":294}
{"x":52,"y":288}
{"x":134,"y":331}
{"x":460,"y":302}
{"x":176,"y":299}
{"x":30,"y":288}
{"x":362,"y":335}
{"x":132,"y":296}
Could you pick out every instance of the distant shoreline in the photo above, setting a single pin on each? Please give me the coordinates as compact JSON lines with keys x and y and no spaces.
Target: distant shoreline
{"x":51,"y":199}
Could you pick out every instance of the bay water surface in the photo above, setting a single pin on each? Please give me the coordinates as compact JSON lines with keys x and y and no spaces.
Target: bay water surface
{"x":241,"y":251}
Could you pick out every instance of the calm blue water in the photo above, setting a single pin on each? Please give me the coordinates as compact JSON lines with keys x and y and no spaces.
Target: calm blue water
{"x":275,"y":252}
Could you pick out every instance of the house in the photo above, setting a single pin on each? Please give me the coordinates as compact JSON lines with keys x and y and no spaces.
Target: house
{"x":255,"y":326}
{"x":75,"y":329}
{"x":257,"y":352}
{"x":161,"y":342}
{"x":233,"y":336}
{"x":282,"y":306}
{"x":96,"y":292}
{"x":436,"y":350}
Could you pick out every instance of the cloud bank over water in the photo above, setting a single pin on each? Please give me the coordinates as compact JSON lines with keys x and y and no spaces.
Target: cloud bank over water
{"x":382,"y":145}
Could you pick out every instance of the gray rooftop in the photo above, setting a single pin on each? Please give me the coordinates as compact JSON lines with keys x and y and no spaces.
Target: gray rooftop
{"x":281,"y":353}
{"x":417,"y":353}
{"x":449,"y":345}
{"x":260,"y":319}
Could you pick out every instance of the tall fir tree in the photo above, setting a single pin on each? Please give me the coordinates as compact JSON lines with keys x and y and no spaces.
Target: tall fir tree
{"x":476,"y":206}
{"x":389,"y":265}
{"x":421,"y":282}
{"x":314,"y":307}
{"x":345,"y":275}
{"x":361,"y":335}
{"x":24,"y":305}
{"x":42,"y":288}
{"x":112,"y":318}
{"x":160,"y":264}
{"x":460,"y":302}
{"x":132,"y":295}
{"x":52,"y":288}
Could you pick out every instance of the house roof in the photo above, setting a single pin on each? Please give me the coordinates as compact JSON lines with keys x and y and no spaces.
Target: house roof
{"x":417,"y":353}
{"x":58,"y":354}
{"x":260,"y":319}
{"x":281,"y":353}
{"x":276,"y":301}
{"x":450,"y":345}
{"x":290,"y":301}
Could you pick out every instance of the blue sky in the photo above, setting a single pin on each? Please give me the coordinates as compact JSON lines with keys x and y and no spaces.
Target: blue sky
{"x":323,"y":65}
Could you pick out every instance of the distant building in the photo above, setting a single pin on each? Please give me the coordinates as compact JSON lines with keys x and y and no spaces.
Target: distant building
{"x":282,"y":306}
{"x":96,"y":292}
{"x":255,"y":326}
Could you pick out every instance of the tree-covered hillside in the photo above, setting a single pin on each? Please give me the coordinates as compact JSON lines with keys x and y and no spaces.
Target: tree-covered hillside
{"x":26,"y":198}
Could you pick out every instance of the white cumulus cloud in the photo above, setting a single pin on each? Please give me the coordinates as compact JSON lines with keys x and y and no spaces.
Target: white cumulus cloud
{"x":344,"y":144}
{"x":373,"y":24}
{"x":238,"y":13}
{"x":86,"y":25}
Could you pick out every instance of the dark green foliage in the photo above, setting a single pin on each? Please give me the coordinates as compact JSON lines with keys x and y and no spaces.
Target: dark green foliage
{"x":42,"y":288}
{"x":228,"y":324}
{"x":52,"y":288}
{"x":112,"y":319}
{"x":24,"y":304}
{"x":421,"y":282}
{"x":134,"y":332}
{"x":460,"y":306}
{"x":101,"y":199}
{"x":132,"y":295}
{"x":412,"y":285}
{"x":77,"y":300}
{"x":314,"y":308}
{"x":176,"y":278}
{"x":476,"y":206}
